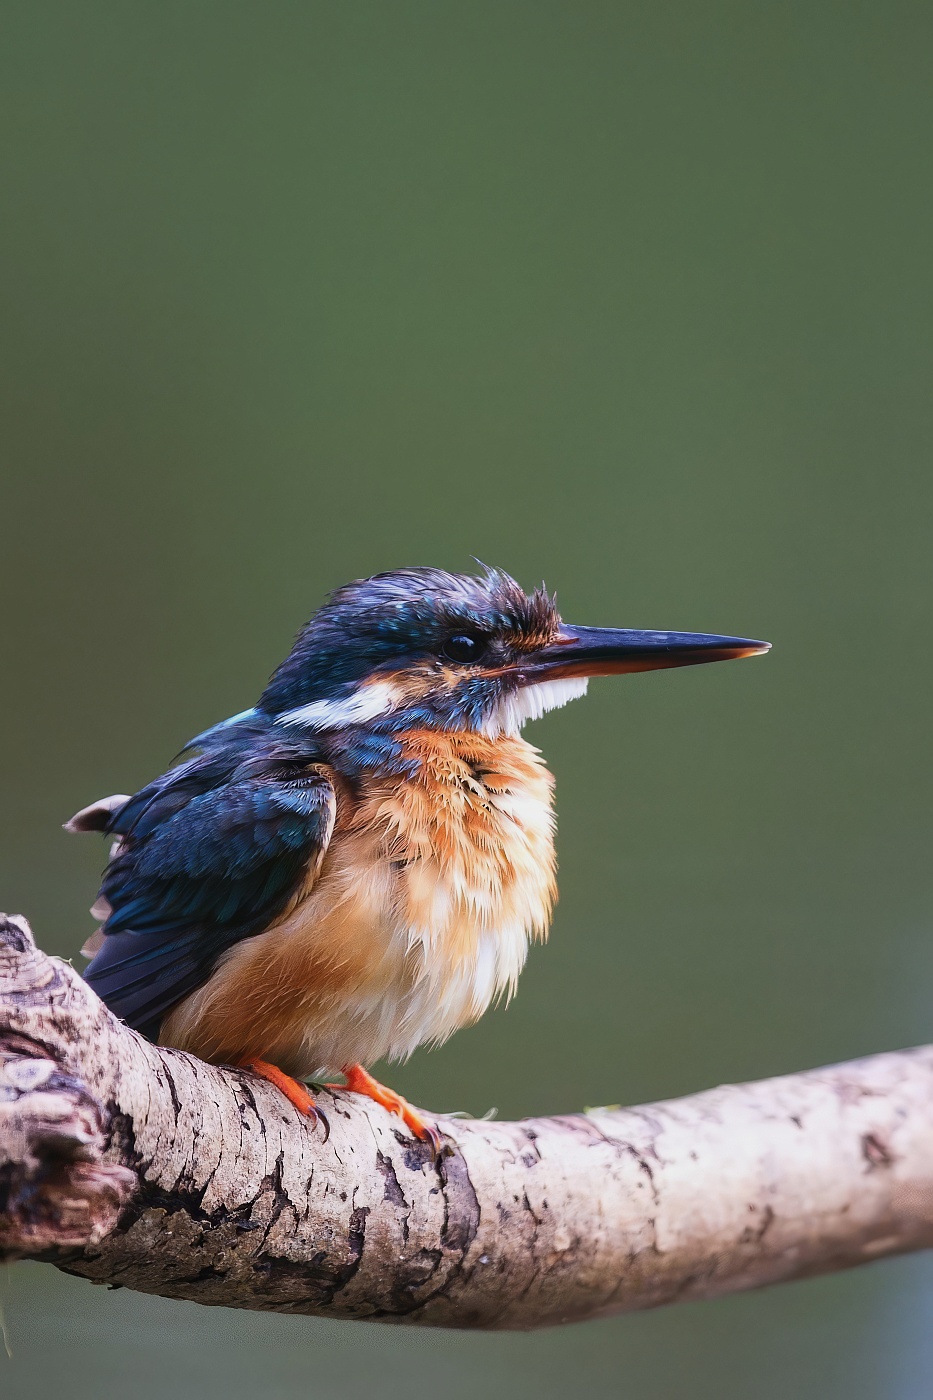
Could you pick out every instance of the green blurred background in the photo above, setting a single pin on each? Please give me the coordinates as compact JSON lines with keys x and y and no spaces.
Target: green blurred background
{"x":636,"y":298}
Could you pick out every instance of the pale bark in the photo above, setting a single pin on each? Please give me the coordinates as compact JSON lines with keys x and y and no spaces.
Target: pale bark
{"x":145,"y":1167}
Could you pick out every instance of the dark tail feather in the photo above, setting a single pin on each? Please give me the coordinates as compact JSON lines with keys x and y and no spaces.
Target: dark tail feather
{"x":141,"y":977}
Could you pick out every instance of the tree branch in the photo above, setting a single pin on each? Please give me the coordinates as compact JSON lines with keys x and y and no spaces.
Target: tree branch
{"x":130,"y":1164}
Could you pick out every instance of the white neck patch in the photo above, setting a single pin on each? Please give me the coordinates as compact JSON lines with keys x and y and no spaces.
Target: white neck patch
{"x":530,"y":702}
{"x":370,"y":701}
{"x":366,"y":702}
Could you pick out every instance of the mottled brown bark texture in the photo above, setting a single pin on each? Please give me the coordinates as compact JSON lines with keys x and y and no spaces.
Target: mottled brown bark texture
{"x":129,"y":1164}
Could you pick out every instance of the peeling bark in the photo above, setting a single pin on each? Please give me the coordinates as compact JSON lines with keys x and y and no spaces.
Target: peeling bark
{"x":129,"y":1164}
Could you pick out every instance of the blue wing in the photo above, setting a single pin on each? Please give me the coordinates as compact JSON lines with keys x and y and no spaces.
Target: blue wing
{"x":210,"y":853}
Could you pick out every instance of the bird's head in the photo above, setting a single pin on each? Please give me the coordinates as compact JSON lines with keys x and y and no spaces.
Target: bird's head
{"x":427,"y":648}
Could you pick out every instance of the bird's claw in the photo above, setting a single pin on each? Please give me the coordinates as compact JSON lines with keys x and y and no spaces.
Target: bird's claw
{"x":431,"y":1134}
{"x":296,"y":1093}
{"x":359,"y":1081}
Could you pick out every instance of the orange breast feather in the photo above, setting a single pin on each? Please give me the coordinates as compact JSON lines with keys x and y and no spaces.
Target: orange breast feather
{"x":420,"y":915}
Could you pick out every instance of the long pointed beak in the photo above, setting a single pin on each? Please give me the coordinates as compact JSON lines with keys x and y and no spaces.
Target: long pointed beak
{"x":610,"y":651}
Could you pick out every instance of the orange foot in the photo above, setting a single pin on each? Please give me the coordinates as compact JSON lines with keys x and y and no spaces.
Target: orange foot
{"x":296,"y":1093}
{"x":360,"y":1082}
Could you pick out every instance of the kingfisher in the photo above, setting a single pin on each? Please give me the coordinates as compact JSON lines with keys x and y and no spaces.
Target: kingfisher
{"x":357,"y":865}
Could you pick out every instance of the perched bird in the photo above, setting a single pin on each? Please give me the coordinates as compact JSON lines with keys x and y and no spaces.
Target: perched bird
{"x":357,"y":865}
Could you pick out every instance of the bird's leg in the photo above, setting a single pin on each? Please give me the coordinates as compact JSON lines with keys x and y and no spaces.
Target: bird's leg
{"x":359,"y":1081}
{"x":296,"y":1093}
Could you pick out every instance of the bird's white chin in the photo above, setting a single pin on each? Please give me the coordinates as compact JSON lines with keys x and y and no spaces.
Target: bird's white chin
{"x":530,"y":702}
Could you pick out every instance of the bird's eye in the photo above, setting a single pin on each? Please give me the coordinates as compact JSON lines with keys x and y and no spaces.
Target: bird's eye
{"x":463,"y":648}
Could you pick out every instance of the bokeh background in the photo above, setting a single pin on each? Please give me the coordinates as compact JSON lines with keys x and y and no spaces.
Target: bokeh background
{"x":634,"y":297}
